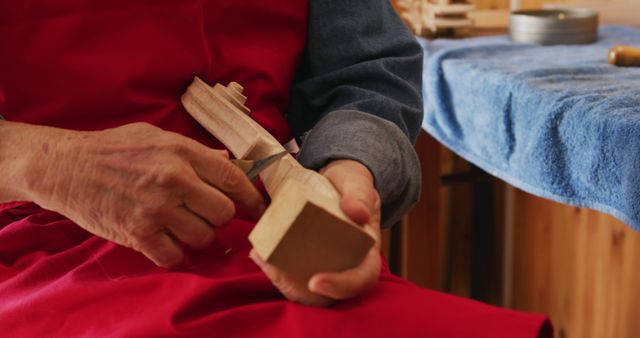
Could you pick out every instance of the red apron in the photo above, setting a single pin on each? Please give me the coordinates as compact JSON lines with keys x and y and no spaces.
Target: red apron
{"x":91,"y":65}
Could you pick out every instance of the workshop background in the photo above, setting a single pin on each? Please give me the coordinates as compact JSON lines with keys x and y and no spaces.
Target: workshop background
{"x":476,"y":236}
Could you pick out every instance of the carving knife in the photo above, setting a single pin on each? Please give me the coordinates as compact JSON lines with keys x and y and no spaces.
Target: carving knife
{"x":253,"y":168}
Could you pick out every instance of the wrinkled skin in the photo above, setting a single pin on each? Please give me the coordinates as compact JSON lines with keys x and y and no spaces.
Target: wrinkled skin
{"x":148,"y":189}
{"x":143,"y":188}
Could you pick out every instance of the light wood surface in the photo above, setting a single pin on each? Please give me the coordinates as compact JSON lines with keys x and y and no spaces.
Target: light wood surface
{"x":434,"y":16}
{"x":245,"y":138}
{"x":303,"y":231}
{"x":619,"y":12}
{"x":483,"y":19}
{"x":578,"y":265}
{"x":306,"y":233}
{"x":437,"y":9}
{"x":623,"y":12}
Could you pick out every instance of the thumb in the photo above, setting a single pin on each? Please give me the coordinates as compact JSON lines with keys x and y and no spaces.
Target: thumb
{"x":354,"y":182}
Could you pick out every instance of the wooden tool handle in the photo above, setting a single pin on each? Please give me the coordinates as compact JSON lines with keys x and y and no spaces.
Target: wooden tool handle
{"x":624,"y":56}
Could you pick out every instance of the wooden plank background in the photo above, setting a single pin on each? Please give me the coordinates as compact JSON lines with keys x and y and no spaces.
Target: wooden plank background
{"x":577,"y":265}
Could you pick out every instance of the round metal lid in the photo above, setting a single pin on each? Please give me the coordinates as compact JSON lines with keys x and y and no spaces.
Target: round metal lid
{"x":554,"y":26}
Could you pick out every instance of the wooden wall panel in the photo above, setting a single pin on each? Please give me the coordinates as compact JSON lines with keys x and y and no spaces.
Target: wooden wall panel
{"x":579,"y":266}
{"x":621,"y":12}
{"x":422,"y":233}
{"x":457,"y":219}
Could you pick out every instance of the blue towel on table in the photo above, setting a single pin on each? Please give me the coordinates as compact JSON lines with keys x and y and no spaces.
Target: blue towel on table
{"x":556,"y":121}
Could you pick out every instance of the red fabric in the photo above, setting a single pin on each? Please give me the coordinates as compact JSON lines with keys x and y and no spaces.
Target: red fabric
{"x":91,"y":65}
{"x":58,"y":280}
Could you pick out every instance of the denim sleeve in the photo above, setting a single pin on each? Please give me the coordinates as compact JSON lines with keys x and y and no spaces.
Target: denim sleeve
{"x":357,"y":95}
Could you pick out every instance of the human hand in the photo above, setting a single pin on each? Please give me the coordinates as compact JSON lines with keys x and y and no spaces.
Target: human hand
{"x":141,"y":187}
{"x":360,"y":202}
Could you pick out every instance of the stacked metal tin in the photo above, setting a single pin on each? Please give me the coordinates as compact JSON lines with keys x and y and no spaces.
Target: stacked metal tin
{"x":554,"y":26}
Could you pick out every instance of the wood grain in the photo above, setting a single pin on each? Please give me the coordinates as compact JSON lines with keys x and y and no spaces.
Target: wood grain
{"x":303,"y":231}
{"x":423,"y":235}
{"x":579,"y":266}
{"x":228,"y":121}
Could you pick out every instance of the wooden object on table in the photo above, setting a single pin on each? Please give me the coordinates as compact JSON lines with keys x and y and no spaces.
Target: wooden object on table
{"x":411,"y":12}
{"x":490,"y":19}
{"x":434,"y":16}
{"x":624,"y":56}
{"x":303,"y":231}
{"x":443,"y":15}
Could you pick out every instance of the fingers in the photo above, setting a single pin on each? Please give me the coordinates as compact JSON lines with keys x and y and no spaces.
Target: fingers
{"x":190,"y":229}
{"x":349,"y":283}
{"x":183,"y":225}
{"x":289,"y":287}
{"x":161,"y":249}
{"x":358,"y":200}
{"x":209,"y":203}
{"x":361,"y":202}
{"x":219,"y":172}
{"x":354,"y":182}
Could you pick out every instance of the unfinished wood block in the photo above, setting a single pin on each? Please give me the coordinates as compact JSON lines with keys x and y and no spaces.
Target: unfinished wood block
{"x":236,"y":130}
{"x":444,"y":23}
{"x":245,"y":138}
{"x":437,"y":9}
{"x":306,"y":233}
{"x":445,"y":15}
{"x":303,"y":231}
{"x":411,"y":13}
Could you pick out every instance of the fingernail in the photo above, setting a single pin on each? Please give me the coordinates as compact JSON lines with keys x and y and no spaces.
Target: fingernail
{"x":324,"y":287}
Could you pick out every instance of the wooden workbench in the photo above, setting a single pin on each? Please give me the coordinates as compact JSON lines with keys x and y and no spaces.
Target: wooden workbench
{"x":577,"y":265}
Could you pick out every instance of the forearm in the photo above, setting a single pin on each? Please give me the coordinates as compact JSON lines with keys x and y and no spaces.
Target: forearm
{"x":16,"y":141}
{"x":26,"y":153}
{"x":376,"y":143}
{"x":358,"y":96}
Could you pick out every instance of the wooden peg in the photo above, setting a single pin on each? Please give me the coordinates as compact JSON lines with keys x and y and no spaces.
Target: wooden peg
{"x":303,"y":231}
{"x":624,"y":56}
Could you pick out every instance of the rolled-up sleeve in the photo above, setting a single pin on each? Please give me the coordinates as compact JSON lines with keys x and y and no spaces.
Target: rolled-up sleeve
{"x":357,"y":95}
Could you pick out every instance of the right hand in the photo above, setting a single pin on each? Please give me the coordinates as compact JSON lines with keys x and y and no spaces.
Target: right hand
{"x":141,"y":187}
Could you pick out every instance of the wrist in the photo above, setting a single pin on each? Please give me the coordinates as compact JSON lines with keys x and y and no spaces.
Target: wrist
{"x":30,"y":155}
{"x":53,"y":156}
{"x":12,"y":161}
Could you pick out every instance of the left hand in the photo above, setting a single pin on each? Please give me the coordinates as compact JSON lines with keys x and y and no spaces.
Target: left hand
{"x":360,"y":202}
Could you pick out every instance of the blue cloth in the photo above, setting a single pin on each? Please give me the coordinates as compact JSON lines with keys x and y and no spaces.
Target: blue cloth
{"x":556,"y":121}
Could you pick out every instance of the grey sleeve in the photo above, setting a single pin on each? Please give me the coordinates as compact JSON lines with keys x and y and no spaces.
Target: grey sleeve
{"x":357,"y":95}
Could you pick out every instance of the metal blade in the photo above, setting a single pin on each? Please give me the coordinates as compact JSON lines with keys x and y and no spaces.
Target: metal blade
{"x":253,"y":168}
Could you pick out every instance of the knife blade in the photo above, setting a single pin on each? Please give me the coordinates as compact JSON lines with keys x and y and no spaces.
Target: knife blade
{"x":253,"y":168}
